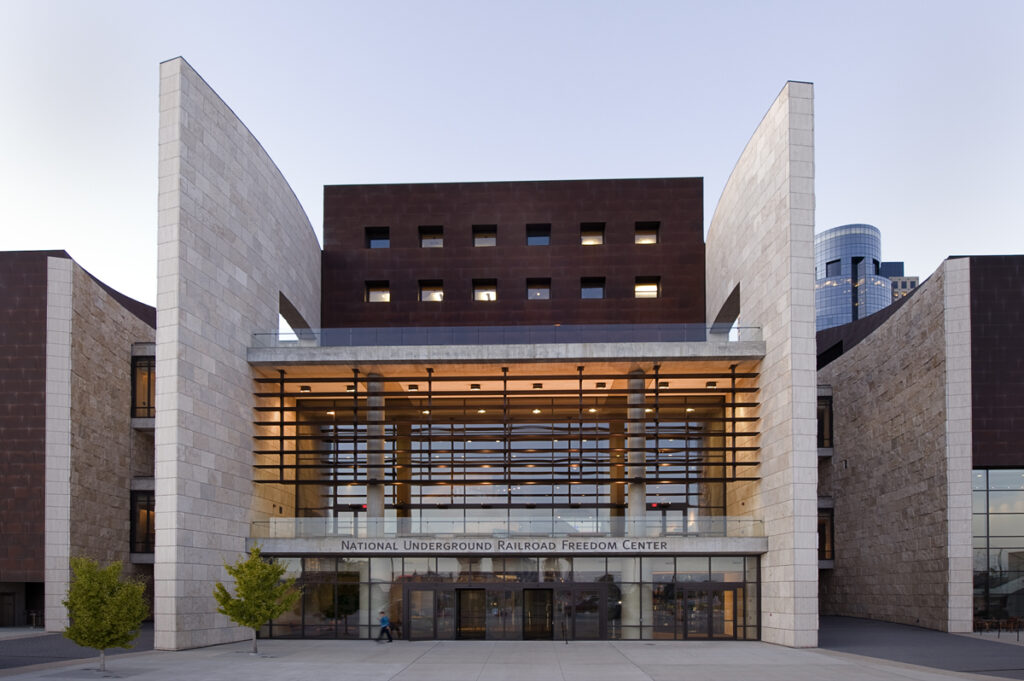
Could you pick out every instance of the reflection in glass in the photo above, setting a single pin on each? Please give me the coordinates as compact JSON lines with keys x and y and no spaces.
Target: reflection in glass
{"x":554,"y":569}
{"x":421,"y":614}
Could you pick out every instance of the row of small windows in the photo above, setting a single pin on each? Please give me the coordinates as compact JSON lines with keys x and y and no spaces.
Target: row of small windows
{"x":538,"y":234}
{"x":486,"y":290}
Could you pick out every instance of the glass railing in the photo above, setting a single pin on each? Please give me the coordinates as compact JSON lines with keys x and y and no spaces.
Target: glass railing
{"x":503,"y":335}
{"x":706,"y":526}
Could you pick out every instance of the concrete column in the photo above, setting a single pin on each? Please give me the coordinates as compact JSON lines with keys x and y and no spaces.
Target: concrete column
{"x":631,"y":598}
{"x":635,"y":441}
{"x":403,"y":492}
{"x":617,"y":469}
{"x":374,"y":455}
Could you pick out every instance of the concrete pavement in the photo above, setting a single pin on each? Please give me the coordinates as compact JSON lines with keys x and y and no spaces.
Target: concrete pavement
{"x":303,"y":660}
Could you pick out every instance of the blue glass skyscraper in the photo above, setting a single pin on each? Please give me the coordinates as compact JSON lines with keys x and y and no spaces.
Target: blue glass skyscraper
{"x":848,"y":283}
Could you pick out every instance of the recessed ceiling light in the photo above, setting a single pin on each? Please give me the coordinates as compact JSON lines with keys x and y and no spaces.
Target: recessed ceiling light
{"x":600,"y":384}
{"x":413,"y":387}
{"x":474,"y":386}
{"x":711,"y":384}
{"x":351,"y":388}
{"x":648,"y":410}
{"x":592,"y":410}
{"x":481,"y":411}
{"x":330,"y":413}
{"x":662,"y":384}
{"x":536,"y":411}
{"x":426,"y":411}
{"x":304,"y":388}
{"x":538,"y":386}
{"x":690,"y":409}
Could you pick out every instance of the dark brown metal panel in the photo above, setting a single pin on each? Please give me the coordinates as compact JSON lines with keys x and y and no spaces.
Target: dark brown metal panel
{"x":22,"y":413}
{"x":678,"y":258}
{"x":997,"y":362}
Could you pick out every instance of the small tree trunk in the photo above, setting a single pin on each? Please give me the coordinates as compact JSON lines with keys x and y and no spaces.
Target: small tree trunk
{"x":103,"y":660}
{"x":254,"y":651}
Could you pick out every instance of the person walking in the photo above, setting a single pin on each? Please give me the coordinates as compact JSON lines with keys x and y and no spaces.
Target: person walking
{"x":385,"y":628}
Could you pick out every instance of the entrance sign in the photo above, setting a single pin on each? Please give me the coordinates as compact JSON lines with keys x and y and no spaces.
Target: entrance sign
{"x":497,"y":546}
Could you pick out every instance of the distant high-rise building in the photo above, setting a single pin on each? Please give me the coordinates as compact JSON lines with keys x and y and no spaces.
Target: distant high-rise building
{"x":848,"y":283}
{"x":901,"y":285}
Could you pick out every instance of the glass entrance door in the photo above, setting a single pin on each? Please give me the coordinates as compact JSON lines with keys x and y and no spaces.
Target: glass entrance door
{"x":470,"y":614}
{"x":537,"y":611}
{"x":709,"y":612}
{"x":421,"y":614}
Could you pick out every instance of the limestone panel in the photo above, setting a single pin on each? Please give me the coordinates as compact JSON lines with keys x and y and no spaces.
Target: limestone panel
{"x":761,"y":240}
{"x":232,"y":238}
{"x":889,"y":469}
{"x":58,"y":440}
{"x":959,"y":444}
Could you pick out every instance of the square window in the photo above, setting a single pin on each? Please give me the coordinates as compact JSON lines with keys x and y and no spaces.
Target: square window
{"x":485,"y":235}
{"x":378,"y":292}
{"x":538,"y":289}
{"x":431,"y":291}
{"x":592,"y":287}
{"x":538,"y":235}
{"x":647,"y":232}
{"x":378,"y":237}
{"x":647,"y":287}
{"x":431,"y":236}
{"x":485,"y":289}
{"x":591,"y":233}
{"x":832,"y":268}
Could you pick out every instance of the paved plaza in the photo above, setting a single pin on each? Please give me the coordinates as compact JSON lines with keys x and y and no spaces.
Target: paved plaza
{"x":857,"y":650}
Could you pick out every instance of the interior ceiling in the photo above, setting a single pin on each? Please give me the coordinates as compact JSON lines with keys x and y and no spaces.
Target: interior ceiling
{"x":553,"y":376}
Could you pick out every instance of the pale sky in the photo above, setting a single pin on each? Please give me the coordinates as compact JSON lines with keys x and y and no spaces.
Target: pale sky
{"x":919,"y":106}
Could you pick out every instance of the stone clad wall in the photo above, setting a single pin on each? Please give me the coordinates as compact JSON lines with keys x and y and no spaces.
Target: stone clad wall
{"x":762,"y":240}
{"x":91,"y":447}
{"x":103,"y":444}
{"x":889,"y":473}
{"x":232,"y":239}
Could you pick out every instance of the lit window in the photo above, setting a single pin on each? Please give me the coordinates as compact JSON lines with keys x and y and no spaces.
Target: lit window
{"x":647,"y":287}
{"x":647,"y":232}
{"x":431,"y":291}
{"x":378,"y":292}
{"x":378,"y":237}
{"x":592,"y":287}
{"x":591,"y":233}
{"x":538,"y":235}
{"x":143,"y":375}
{"x":143,"y":528}
{"x":538,"y":289}
{"x":485,"y":235}
{"x":431,"y":236}
{"x":485,"y":289}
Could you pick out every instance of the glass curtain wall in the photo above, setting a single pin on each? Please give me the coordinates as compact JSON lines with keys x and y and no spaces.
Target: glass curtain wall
{"x":525,"y":597}
{"x":998,"y":529}
{"x":559,"y":448}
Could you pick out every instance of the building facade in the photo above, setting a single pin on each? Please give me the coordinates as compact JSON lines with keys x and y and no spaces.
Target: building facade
{"x":923,"y":473}
{"x":849,"y":284}
{"x":76,"y":465}
{"x":507,"y":410}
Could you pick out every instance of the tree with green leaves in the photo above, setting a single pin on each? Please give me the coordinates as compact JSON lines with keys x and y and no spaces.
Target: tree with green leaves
{"x":104,"y":611}
{"x":261,"y":594}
